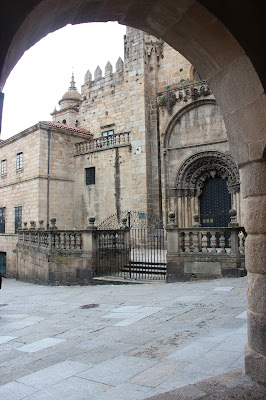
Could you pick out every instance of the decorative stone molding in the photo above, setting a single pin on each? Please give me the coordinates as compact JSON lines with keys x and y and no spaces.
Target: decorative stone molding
{"x":172,"y":219}
{"x":233,"y":222}
{"x":199,"y":167}
{"x":41,"y":227}
{"x":53,"y":227}
{"x":32,"y":225}
{"x":178,"y":93}
{"x":154,"y":48}
{"x":91,"y":220}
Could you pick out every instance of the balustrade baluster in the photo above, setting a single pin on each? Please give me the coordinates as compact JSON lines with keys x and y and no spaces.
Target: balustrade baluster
{"x":222,"y":242}
{"x":204,"y":242}
{"x":195,"y":242}
{"x":181,"y":244}
{"x":213,"y":241}
{"x":241,"y":242}
{"x":187,"y":242}
{"x":57,"y":240}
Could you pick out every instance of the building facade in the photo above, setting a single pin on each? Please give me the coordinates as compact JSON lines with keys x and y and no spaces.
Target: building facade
{"x":148,"y":137}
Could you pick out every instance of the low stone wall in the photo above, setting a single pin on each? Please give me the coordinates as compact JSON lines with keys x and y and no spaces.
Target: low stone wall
{"x":204,"y":253}
{"x":57,"y":268}
{"x":185,"y":267}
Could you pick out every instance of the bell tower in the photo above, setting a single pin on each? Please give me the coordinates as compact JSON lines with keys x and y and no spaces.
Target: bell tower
{"x":69,"y":106}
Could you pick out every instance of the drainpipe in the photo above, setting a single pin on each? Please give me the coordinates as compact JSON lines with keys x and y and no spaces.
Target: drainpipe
{"x":1,"y":108}
{"x":48,"y":176}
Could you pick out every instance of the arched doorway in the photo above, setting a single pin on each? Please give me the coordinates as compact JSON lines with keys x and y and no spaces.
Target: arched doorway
{"x":224,"y":56}
{"x":215,"y":203}
{"x":208,"y":184}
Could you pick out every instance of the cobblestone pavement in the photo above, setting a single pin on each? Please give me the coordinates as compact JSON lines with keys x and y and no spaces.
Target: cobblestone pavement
{"x":124,"y":342}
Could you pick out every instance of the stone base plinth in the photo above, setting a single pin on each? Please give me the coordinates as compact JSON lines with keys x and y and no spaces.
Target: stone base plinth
{"x":255,"y":364}
{"x":230,"y":385}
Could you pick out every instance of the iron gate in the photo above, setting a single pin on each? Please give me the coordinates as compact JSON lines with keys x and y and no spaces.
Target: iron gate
{"x":132,"y":246}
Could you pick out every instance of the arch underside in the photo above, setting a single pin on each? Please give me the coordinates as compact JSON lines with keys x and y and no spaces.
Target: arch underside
{"x":200,"y":167}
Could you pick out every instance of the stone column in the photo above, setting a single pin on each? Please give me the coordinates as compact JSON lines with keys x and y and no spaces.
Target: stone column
{"x":89,"y":238}
{"x":254,"y":195}
{"x":175,"y":265}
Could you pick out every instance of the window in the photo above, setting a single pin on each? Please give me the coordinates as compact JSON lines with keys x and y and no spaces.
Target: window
{"x":110,"y":132}
{"x":90,"y":176}
{"x":2,"y":220}
{"x":108,"y":137}
{"x":19,"y":161}
{"x":18,"y":217}
{"x":3,"y":167}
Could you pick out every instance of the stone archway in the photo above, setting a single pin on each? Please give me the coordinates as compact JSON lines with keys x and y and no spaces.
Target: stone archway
{"x":192,"y":176}
{"x":223,"y":56}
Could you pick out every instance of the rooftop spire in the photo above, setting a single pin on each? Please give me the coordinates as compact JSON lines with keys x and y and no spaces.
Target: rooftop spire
{"x":72,"y":83}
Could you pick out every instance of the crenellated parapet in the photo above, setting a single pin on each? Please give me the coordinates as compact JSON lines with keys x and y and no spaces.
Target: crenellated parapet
{"x":102,"y":83}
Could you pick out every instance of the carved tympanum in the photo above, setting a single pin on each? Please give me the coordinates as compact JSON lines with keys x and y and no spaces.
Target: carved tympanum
{"x":201,"y":166}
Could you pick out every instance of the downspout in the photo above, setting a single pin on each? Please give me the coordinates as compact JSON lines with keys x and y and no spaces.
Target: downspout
{"x":48,"y":176}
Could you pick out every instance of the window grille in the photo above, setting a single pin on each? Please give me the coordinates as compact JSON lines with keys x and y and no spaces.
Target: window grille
{"x":2,"y":220}
{"x":18,"y":217}
{"x":3,"y":167}
{"x":90,"y":176}
{"x":19,"y":161}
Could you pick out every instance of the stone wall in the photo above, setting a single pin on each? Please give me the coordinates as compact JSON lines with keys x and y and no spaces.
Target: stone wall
{"x":8,"y":244}
{"x":114,"y":186}
{"x":36,"y":266}
{"x":20,"y":187}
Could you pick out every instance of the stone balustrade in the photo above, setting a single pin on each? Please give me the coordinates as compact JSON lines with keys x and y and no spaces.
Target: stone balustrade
{"x":211,"y":240}
{"x":67,"y":240}
{"x":56,"y":256}
{"x":103,"y":143}
{"x":52,"y":239}
{"x":204,"y":252}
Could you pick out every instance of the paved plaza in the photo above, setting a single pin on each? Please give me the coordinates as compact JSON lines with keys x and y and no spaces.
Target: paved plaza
{"x":122,"y":342}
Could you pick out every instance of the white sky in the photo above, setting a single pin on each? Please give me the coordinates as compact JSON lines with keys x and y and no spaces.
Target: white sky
{"x":43,"y":74}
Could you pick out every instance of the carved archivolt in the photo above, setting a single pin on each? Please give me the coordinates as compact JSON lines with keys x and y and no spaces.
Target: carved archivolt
{"x":201,"y":166}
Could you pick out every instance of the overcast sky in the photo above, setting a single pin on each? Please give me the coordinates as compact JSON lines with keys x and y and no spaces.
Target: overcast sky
{"x":43,"y":74}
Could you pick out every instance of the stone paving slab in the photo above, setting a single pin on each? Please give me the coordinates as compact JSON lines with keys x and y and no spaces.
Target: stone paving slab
{"x":134,"y":342}
{"x":15,"y":391}
{"x":4,"y":339}
{"x":56,"y":373}
{"x":40,"y":345}
{"x":117,"y":370}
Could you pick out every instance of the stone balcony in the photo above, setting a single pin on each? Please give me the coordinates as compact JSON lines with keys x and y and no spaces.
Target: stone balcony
{"x":103,"y":143}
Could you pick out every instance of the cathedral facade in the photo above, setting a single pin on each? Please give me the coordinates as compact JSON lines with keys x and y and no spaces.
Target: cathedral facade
{"x":146,"y":137}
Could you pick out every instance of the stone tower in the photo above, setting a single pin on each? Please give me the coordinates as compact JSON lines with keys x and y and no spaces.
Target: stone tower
{"x":69,"y":106}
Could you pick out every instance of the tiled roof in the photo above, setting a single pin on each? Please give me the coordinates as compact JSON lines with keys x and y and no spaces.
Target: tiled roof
{"x":66,"y":127}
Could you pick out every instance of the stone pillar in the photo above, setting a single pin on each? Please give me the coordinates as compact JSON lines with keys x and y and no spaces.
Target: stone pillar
{"x":254,"y":195}
{"x":175,"y":265}
{"x":89,"y":238}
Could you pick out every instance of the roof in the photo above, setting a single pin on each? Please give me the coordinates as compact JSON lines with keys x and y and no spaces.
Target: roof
{"x":71,"y":94}
{"x":66,"y":127}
